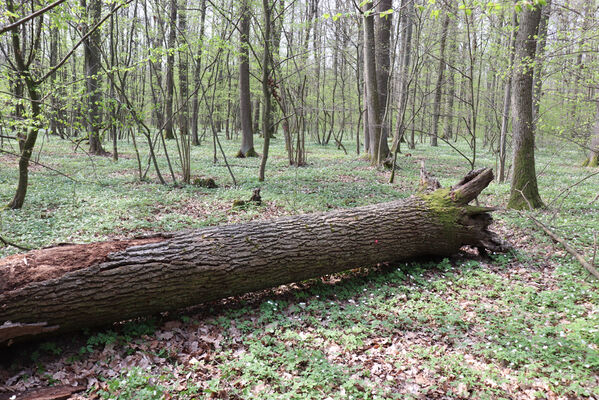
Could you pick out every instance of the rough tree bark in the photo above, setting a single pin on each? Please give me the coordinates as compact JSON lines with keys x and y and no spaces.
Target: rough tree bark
{"x":524,"y":192}
{"x":451,"y":81}
{"x":538,"y":74}
{"x":439,"y":85}
{"x":23,"y":72}
{"x":507,"y":100}
{"x":245,"y":109}
{"x":593,"y":158}
{"x":93,"y":83}
{"x":170,"y":70}
{"x":266,"y":82}
{"x":404,"y":77}
{"x":71,"y":287}
{"x":383,"y":69}
{"x":184,"y":138}
{"x":195,"y":115}
{"x":372,"y":97}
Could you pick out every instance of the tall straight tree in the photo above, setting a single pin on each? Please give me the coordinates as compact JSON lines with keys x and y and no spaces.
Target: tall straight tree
{"x":383,"y":66}
{"x":593,"y":158}
{"x":245,"y":109}
{"x":407,"y":7}
{"x":451,"y":81}
{"x":507,"y":100}
{"x":185,"y":138}
{"x":195,"y":116}
{"x":524,"y":191}
{"x":170,"y":70}
{"x":541,"y":44}
{"x":266,"y":81}
{"x":23,"y":59}
{"x":372,"y":98}
{"x":92,"y":60}
{"x":439,"y":85}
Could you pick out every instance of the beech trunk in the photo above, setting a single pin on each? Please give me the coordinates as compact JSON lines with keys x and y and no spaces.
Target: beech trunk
{"x":75,"y":286}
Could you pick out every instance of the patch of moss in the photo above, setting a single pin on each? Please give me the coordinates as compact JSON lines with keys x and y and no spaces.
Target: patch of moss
{"x":442,"y":206}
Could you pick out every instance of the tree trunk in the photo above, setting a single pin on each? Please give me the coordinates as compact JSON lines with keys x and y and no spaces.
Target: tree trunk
{"x":266,"y":82}
{"x":404,"y":77}
{"x":372,"y":99}
{"x":593,"y":159}
{"x":170,"y":74}
{"x":439,"y":85}
{"x":383,"y":69}
{"x":524,"y":192}
{"x":92,"y":77}
{"x":256,"y":111}
{"x":451,"y":83}
{"x":25,"y":78}
{"x":112,"y":93}
{"x":76,"y":286}
{"x":245,"y":108}
{"x":538,"y":74}
{"x":184,"y":137}
{"x":507,"y":101}
{"x":53,"y":115}
{"x":195,"y":116}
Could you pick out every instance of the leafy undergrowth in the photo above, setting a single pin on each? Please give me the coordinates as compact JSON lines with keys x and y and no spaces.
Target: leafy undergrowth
{"x":519,"y":325}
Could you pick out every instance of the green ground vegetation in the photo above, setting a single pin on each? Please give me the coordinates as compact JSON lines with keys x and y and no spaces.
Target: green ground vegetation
{"x":522,"y":323}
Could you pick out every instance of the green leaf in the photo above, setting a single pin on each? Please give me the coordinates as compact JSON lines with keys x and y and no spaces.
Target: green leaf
{"x":386,"y":13}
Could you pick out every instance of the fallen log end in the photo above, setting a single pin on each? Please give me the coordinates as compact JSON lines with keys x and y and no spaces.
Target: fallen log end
{"x":450,"y":207}
{"x":62,"y":392}
{"x":11,"y":330}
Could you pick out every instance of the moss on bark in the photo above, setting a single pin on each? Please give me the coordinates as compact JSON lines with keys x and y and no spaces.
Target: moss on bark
{"x":441,"y":203}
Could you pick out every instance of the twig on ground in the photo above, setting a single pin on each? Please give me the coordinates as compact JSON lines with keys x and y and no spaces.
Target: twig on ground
{"x":588,"y":266}
{"x":7,"y":243}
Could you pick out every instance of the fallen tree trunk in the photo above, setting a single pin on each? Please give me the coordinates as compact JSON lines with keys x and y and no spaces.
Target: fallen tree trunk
{"x":71,"y":287}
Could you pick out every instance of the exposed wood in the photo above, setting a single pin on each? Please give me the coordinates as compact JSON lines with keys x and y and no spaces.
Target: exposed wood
{"x":192,"y":267}
{"x":50,"y":393}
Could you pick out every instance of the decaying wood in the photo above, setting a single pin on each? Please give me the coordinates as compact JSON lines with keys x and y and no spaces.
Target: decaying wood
{"x":94,"y":287}
{"x":588,"y":266}
{"x":51,"y":393}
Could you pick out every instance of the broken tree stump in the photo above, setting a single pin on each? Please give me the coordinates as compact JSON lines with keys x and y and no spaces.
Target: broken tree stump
{"x":76,"y":286}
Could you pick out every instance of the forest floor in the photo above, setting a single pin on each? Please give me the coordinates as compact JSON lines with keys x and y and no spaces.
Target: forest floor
{"x":522,"y":325}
